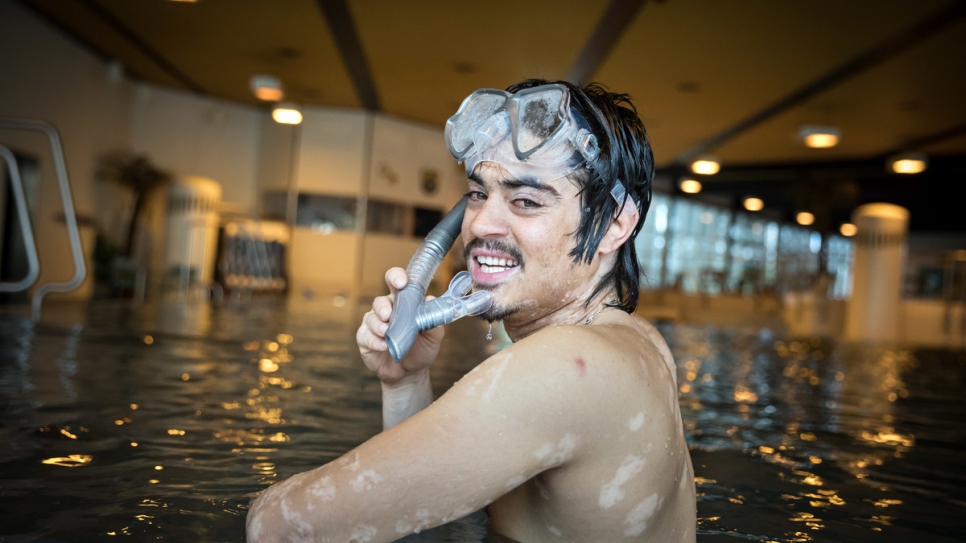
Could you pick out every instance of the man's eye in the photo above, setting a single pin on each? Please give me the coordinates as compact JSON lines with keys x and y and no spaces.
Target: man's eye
{"x":475,"y":196}
{"x":527,"y":203}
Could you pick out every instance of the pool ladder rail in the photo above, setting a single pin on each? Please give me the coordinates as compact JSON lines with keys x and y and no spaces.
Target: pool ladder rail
{"x":33,"y":263}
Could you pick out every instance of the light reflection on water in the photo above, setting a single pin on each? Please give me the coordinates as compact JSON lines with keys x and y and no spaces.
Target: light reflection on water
{"x":160,"y":422}
{"x":818,"y":440}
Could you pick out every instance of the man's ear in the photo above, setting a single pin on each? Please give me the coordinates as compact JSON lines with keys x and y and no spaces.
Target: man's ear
{"x":620,"y":230}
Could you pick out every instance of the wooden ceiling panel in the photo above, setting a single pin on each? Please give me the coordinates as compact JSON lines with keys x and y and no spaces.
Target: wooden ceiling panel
{"x":951,"y":146}
{"x":426,"y":56}
{"x":220,"y":45}
{"x":697,"y":68}
{"x":917,"y":94}
{"x":93,"y":32}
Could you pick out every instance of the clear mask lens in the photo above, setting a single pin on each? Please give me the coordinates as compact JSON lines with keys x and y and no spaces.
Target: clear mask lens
{"x":539,"y":117}
{"x":461,"y":128}
{"x":534,"y":132}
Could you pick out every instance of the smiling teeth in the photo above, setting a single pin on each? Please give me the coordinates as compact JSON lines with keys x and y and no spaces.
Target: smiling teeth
{"x":492,"y":264}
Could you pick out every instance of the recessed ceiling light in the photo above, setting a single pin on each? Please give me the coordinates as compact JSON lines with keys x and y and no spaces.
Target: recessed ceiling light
{"x":287,"y":114}
{"x":805,"y":218}
{"x":690,"y":186}
{"x":754,"y":204}
{"x":267,"y":88}
{"x":819,"y":137}
{"x":909,"y":163}
{"x":706,"y":166}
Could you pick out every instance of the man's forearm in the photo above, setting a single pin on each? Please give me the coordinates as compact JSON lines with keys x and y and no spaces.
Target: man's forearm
{"x":405,"y":398}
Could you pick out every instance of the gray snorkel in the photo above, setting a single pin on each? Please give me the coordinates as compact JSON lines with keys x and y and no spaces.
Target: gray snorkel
{"x":410,"y":315}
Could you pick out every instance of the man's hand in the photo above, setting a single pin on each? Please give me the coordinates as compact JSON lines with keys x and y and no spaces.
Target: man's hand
{"x":371,"y":339}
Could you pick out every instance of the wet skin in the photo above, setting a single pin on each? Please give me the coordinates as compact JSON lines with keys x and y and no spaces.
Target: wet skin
{"x":572,"y":433}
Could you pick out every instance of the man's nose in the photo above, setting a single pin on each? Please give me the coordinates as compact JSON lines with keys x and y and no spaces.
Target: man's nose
{"x":487,"y":221}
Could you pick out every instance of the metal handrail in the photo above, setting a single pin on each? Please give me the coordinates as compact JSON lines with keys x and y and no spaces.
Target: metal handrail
{"x":33,"y":263}
{"x":60,"y":166}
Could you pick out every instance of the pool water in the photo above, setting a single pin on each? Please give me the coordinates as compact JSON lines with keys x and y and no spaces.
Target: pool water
{"x":158,"y":423}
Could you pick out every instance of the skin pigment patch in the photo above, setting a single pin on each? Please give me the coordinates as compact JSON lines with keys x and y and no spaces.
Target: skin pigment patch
{"x":363,"y":534}
{"x":611,"y":493}
{"x":365,"y":480}
{"x":323,"y":490}
{"x":637,"y":422}
{"x":496,"y":377}
{"x":554,"y":455}
{"x":636,"y":520}
{"x":303,"y":530}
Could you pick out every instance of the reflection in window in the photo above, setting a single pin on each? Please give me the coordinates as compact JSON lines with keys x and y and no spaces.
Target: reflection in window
{"x":841,"y":252}
{"x":326,"y":213}
{"x":697,"y":247}
{"x":651,"y":240}
{"x":386,"y":218}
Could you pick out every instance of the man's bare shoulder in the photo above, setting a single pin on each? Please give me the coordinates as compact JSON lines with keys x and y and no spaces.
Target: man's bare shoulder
{"x":562,"y":365}
{"x":616,"y":341}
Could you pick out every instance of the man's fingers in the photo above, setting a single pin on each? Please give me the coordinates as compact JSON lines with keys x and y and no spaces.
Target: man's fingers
{"x":369,"y":341}
{"x":396,"y":279}
{"x":376,"y":325}
{"x":382,"y":307}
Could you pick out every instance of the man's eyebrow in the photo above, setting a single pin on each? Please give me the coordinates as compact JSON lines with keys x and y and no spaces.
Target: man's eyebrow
{"x":531,"y":182}
{"x":514,"y":183}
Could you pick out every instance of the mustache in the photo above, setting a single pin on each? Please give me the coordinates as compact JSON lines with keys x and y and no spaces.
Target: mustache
{"x":493,"y":245}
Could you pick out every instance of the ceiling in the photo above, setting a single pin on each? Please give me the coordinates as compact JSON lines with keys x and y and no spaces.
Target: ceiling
{"x":732,"y":79}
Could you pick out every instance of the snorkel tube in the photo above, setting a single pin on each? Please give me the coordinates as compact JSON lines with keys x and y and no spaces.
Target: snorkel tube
{"x":410,"y":315}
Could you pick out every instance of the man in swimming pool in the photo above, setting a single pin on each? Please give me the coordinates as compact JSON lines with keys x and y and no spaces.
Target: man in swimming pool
{"x":573,"y":432}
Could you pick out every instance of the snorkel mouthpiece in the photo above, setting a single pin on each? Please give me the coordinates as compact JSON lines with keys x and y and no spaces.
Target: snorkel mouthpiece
{"x":410,"y":315}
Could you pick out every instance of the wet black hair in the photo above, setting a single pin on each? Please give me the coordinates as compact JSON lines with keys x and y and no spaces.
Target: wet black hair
{"x":625,"y":157}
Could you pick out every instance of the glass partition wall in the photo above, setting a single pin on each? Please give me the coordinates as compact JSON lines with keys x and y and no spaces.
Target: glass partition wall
{"x":700,"y":248}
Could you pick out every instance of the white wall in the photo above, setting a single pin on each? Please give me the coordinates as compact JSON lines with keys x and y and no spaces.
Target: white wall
{"x":402,"y":154}
{"x":351,"y":153}
{"x":188,"y":134}
{"x":331,"y":156}
{"x":46,"y":76}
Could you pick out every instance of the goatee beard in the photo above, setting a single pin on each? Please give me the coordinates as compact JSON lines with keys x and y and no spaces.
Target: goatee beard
{"x":498,"y":313}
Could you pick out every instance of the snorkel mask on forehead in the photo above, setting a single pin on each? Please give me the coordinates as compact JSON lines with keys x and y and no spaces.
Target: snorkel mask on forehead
{"x":533,"y":133}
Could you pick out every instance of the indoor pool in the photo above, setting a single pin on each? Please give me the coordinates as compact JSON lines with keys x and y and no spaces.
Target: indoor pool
{"x":157,"y":423}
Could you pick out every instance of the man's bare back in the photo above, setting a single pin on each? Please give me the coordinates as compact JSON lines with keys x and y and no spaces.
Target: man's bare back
{"x":627,"y":475}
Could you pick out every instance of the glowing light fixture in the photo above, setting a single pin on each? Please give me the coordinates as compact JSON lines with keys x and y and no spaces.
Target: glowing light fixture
{"x":819,"y":137}
{"x":754,"y":204}
{"x":287,"y":114}
{"x":689,"y":186}
{"x":805,"y":218}
{"x":848,"y":229}
{"x":909,"y":163}
{"x":266,"y":87}
{"x":706,"y":166}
